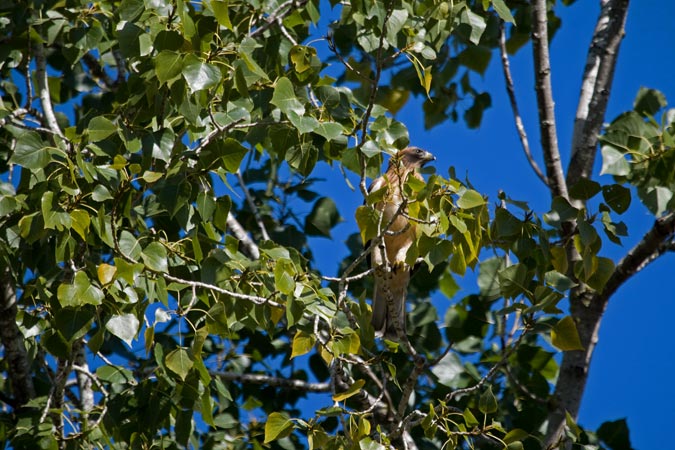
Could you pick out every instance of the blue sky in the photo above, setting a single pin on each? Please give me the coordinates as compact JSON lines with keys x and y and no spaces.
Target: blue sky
{"x":629,"y":373}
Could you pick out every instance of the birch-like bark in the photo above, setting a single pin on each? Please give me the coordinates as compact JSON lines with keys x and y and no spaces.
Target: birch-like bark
{"x":19,"y":372}
{"x":595,"y":87}
{"x":84,"y":382}
{"x":545,"y":103}
{"x":43,"y":90}
{"x":588,"y":307}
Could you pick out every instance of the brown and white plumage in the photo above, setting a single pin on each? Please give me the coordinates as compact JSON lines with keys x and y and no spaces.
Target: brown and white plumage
{"x":392,"y":278}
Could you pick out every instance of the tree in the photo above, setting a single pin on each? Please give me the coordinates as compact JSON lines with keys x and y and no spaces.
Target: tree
{"x":159,"y":289}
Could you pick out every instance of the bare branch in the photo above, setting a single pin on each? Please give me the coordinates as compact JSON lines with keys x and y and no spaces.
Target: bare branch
{"x":248,"y":247}
{"x":511,"y":91}
{"x":84,"y":382}
{"x":595,"y":87}
{"x":43,"y":90}
{"x":547,"y":123}
{"x":287,"y":383}
{"x":653,"y":244}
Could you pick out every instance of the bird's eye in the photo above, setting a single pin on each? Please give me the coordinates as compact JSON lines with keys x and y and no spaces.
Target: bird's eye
{"x":419,"y":151}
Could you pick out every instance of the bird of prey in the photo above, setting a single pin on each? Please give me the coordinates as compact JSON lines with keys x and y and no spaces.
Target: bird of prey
{"x":392,"y":278}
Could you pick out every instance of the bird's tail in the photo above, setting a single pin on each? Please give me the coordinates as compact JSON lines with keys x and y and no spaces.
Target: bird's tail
{"x":394,"y":285}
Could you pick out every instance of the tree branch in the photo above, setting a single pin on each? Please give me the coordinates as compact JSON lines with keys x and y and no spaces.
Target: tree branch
{"x":511,"y":91}
{"x":248,"y":247}
{"x":595,"y":87}
{"x":588,"y":308}
{"x":84,"y":380}
{"x":545,"y":104}
{"x":19,"y":372}
{"x":43,"y":90}
{"x":287,"y":383}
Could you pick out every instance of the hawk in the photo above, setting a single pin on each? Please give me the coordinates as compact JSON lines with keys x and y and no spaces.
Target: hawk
{"x":391,"y":279}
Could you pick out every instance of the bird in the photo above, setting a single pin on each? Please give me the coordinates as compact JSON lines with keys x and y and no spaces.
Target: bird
{"x":391,"y":277}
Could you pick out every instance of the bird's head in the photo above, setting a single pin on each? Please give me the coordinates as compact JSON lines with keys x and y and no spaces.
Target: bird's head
{"x":414,"y":157}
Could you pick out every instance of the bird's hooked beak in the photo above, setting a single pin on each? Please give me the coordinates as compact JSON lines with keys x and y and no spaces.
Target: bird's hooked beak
{"x":427,"y":157}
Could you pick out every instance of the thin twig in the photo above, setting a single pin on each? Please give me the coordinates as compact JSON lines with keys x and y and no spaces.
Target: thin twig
{"x":511,"y":91}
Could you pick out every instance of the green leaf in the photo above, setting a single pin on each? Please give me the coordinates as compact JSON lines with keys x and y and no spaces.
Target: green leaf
{"x":367,"y":219}
{"x":285,"y":99}
{"x":584,"y":189}
{"x":233,"y":152}
{"x":448,"y":285}
{"x":603,"y":271}
{"x":80,"y":292}
{"x":515,"y":435}
{"x":301,"y":57}
{"x":151,"y":177}
{"x":221,"y":11}
{"x":30,"y":151}
{"x":129,"y":10}
{"x":470,"y":419}
{"x":179,"y":362}
{"x":155,"y":257}
{"x":53,"y":214}
{"x":615,"y":435}
{"x":80,"y":222}
{"x":487,"y":403}
{"x":655,"y":198}
{"x":564,"y":335}
{"x":449,"y":370}
{"x":124,"y":326}
{"x":351,"y":391}
{"x":129,"y":245}
{"x":561,"y":211}
{"x":100,"y":128}
{"x":201,"y":76}
{"x":649,"y":101}
{"x":106,"y":273}
{"x":503,"y":11}
{"x":206,"y":205}
{"x":168,"y":65}
{"x":470,"y":199}
{"x":617,"y":197}
{"x":303,"y":343}
{"x":514,"y":280}
{"x":278,"y":426}
{"x":73,"y":323}
{"x":329,"y":130}
{"x":476,"y":22}
{"x":613,"y":162}
{"x":284,"y":272}
{"x":558,"y":281}
{"x":323,"y":217}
